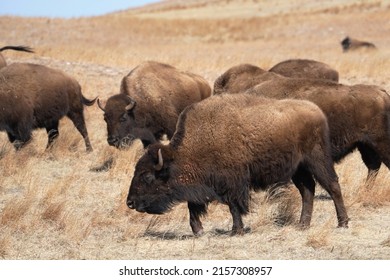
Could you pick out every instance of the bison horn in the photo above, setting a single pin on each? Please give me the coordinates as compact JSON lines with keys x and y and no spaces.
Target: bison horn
{"x":100,"y":105}
{"x":160,"y":163}
{"x":130,"y":106}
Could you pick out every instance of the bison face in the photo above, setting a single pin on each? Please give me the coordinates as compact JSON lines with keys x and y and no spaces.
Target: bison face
{"x":149,"y":190}
{"x":119,"y":117}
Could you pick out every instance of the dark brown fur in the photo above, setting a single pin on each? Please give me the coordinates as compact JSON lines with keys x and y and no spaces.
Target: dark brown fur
{"x":215,"y":155}
{"x":358,"y":115}
{"x":305,"y":68}
{"x":35,"y":96}
{"x":350,"y":44}
{"x":3,"y":63}
{"x":159,"y":93}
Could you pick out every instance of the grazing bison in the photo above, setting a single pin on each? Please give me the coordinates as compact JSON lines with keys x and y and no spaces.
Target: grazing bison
{"x":226,"y":146}
{"x":245,"y":76}
{"x":349,"y":44}
{"x":151,"y":98}
{"x":305,"y":68}
{"x":3,"y":63}
{"x":35,"y":96}
{"x":358,"y":115}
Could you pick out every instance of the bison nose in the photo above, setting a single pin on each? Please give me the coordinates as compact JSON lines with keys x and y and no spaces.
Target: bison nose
{"x":130,"y":204}
{"x":112,"y":141}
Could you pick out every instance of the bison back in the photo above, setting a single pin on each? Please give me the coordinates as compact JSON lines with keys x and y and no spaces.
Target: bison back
{"x":305,"y":68}
{"x":50,"y":92}
{"x":235,"y":132}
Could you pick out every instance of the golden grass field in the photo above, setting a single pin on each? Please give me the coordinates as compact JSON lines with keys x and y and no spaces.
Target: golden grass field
{"x":53,"y":207}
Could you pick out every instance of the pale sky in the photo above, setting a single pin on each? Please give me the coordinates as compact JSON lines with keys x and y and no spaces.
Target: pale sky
{"x":66,"y":8}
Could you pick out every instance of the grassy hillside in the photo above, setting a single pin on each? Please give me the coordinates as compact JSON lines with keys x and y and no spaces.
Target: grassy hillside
{"x":53,"y":207}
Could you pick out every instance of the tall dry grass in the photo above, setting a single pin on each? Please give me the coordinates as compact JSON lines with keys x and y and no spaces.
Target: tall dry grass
{"x":52,"y":206}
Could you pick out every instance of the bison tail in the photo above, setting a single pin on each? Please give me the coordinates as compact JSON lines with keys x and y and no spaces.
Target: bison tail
{"x":17,"y":48}
{"x":88,"y":102}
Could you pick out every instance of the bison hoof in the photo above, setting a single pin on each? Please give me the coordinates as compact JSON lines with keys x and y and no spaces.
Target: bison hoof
{"x":343,"y":224}
{"x":303,"y":226}
{"x":240,"y":231}
{"x":199,"y":232}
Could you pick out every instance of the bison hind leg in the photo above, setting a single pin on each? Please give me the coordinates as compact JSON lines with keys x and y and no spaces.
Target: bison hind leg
{"x":305,"y":183}
{"x":52,"y":133}
{"x":321,"y":166}
{"x":78,"y":120}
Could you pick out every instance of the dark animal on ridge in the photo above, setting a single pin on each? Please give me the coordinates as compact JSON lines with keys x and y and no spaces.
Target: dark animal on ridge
{"x":350,"y":44}
{"x":151,"y":98}
{"x":35,"y":96}
{"x":305,"y":68}
{"x":358,"y":115}
{"x":3,"y":63}
{"x":227,"y":145}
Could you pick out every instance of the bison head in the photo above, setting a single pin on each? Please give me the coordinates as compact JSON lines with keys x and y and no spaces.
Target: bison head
{"x":346,"y":43}
{"x":149,"y":189}
{"x":121,"y":125}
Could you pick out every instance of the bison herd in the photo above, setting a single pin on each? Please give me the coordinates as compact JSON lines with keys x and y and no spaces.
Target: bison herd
{"x":253,"y":129}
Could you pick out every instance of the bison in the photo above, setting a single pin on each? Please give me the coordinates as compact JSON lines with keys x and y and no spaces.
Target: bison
{"x":151,"y":98}
{"x":305,"y":68}
{"x":240,"y":77}
{"x":350,"y":44}
{"x":245,"y":76}
{"x":35,"y":96}
{"x":358,"y":115}
{"x":3,"y":63}
{"x":220,"y":156}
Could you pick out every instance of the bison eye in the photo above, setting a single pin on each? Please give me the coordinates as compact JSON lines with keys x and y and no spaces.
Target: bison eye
{"x":122,"y":119}
{"x":149,"y":178}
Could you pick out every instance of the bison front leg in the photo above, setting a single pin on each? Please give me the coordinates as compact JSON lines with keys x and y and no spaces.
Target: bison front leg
{"x":238,"y":225}
{"x":20,"y":136}
{"x":196,"y":211}
{"x":372,"y":160}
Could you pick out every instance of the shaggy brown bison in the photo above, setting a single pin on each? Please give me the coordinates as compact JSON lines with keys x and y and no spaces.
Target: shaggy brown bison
{"x":358,"y":115}
{"x":35,"y":96}
{"x":151,"y":98}
{"x":305,"y":68}
{"x":245,"y":76}
{"x":350,"y":44}
{"x":218,"y":156}
{"x":3,"y":63}
{"x":240,"y":77}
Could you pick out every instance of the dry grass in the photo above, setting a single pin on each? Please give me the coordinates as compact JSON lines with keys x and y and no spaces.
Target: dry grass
{"x":53,"y":206}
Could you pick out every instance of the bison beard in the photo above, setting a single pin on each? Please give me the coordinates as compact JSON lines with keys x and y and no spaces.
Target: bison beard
{"x":272,"y":142}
